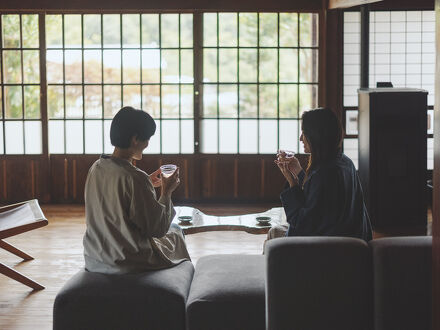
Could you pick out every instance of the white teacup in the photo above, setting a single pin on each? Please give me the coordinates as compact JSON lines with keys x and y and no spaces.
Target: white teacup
{"x":168,"y":169}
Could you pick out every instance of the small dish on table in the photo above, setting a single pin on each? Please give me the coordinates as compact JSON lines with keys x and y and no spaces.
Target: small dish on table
{"x":185,"y":219}
{"x":263,"y":220}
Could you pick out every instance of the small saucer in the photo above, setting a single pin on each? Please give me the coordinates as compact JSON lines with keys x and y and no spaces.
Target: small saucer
{"x":185,"y":219}
{"x":264,"y":221}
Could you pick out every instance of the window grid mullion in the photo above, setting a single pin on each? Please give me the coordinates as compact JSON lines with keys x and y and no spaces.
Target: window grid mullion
{"x":258,"y":83}
{"x":2,"y":86}
{"x":238,"y":83}
{"x":218,"y":83}
{"x":82,"y":85}
{"x":64,"y":83}
{"x":180,"y":87}
{"x":22,"y":83}
{"x":121,"y":54}
{"x":278,"y":81}
{"x":160,"y":82}
{"x":102,"y":82}
{"x":298,"y":77}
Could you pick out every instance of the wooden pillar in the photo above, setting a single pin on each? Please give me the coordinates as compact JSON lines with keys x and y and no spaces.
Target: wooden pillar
{"x":436,"y":177}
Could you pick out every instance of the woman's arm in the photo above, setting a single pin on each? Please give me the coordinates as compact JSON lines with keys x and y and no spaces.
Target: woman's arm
{"x":308,"y":211}
{"x":152,"y":216}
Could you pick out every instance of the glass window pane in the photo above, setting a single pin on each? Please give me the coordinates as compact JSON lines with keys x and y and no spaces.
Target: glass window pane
{"x":93,"y":136}
{"x":14,"y":137}
{"x":132,"y":96}
{"x":92,"y":66}
{"x":228,"y":142}
{"x":308,"y":65}
{"x":93,"y":101}
{"x":288,"y":101}
{"x":74,"y":136}
{"x":248,"y":65}
{"x":430,"y":125}
{"x":268,"y":29}
{"x":187,"y":136}
{"x":150,"y":30}
{"x":55,"y":101}
{"x":2,"y":150}
{"x":170,"y":136}
{"x":54,"y":66}
{"x":32,"y":102}
{"x":210,"y":65}
{"x":72,"y":31}
{"x":31,"y":67}
{"x":13,"y":102}
{"x":227,"y":29}
{"x":170,"y":66}
{"x":351,"y":150}
{"x":151,"y":66}
{"x":187,"y":101}
{"x":108,"y":148}
{"x":248,"y":136}
{"x":74,"y":102}
{"x":111,"y":30}
{"x":12,"y":66}
{"x":288,"y":29}
{"x":112,"y":66}
{"x":54,"y":31}
{"x":186,"y":30}
{"x":308,"y":97}
{"x":151,"y":100}
{"x":228,"y":101}
{"x":1,"y":103}
{"x":186,"y":66}
{"x":56,"y":136}
{"x":169,"y":30}
{"x":209,"y":134}
{"x":289,"y":65}
{"x":112,"y":100}
{"x":248,"y":101}
{"x":154,"y":145}
{"x":268,"y":136}
{"x":268,"y":65}
{"x":92,"y":31}
{"x":210,"y":103}
{"x":289,"y":135}
{"x":132,"y":66}
{"x":170,"y":101}
{"x":248,"y":30}
{"x":11,"y":31}
{"x":30,"y":31}
{"x":33,"y":136}
{"x":210,"y":30}
{"x":351,"y":122}
{"x":131,"y":33}
{"x":228,"y":65}
{"x":268,"y":101}
{"x":308,"y":29}
{"x":430,"y":156}
{"x":73,"y":66}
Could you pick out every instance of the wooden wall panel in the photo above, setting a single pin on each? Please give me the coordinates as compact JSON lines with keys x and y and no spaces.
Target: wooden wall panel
{"x":23,"y":178}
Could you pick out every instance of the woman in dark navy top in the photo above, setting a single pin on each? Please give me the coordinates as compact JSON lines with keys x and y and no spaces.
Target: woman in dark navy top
{"x":327,"y":198}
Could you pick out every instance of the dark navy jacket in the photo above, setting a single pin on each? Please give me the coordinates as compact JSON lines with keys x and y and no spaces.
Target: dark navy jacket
{"x":331,"y":203}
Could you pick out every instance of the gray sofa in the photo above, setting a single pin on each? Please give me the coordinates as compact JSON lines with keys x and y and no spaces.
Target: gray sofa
{"x":300,"y":283}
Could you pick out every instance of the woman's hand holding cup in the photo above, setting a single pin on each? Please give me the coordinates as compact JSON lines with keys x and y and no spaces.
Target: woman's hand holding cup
{"x":170,"y":182}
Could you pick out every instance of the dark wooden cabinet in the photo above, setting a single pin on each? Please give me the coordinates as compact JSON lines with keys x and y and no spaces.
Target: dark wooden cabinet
{"x":392,"y":155}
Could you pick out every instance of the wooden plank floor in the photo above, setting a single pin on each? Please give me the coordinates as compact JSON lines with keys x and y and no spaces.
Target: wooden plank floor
{"x":57,"y":249}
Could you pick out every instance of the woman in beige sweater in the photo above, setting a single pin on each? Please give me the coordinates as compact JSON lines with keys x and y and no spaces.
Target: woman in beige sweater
{"x":128,"y":228}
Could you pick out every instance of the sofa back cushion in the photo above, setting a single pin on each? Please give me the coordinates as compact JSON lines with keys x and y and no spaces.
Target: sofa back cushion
{"x":402,"y":269}
{"x":318,"y":283}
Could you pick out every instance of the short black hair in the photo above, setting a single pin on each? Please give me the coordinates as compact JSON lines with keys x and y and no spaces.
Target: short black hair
{"x":129,"y":122}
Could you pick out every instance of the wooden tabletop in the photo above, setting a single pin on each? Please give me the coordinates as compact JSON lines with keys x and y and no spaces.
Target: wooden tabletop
{"x":247,"y":222}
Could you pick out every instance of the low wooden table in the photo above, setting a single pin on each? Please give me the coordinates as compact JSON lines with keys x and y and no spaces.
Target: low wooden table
{"x":247,"y":222}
